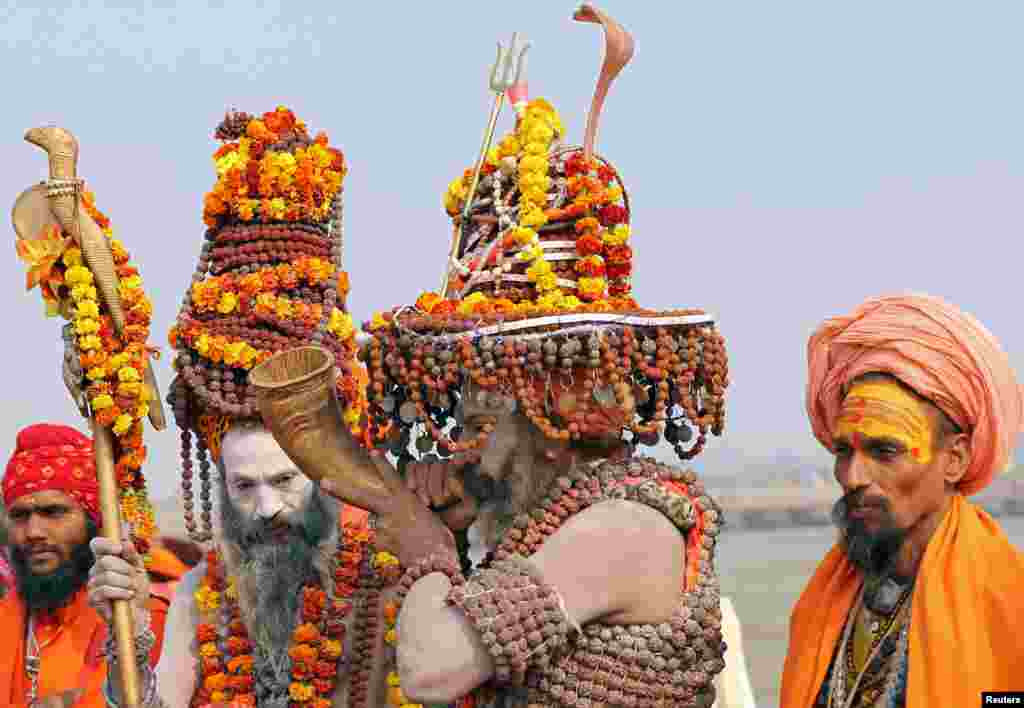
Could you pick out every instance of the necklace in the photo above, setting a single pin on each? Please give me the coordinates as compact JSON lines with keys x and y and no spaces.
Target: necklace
{"x":841,"y":695}
{"x":33,"y":661}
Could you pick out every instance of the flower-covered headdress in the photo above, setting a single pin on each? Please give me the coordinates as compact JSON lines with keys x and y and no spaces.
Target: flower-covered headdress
{"x":269,"y":278}
{"x":537,"y":304}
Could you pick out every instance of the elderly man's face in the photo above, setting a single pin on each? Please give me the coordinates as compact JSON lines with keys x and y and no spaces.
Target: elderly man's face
{"x":46,"y":528}
{"x":893,"y":466}
{"x":263,"y":484}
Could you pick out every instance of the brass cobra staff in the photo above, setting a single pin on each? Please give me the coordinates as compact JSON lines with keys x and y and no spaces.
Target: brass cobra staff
{"x":57,"y":203}
{"x":505,"y":74}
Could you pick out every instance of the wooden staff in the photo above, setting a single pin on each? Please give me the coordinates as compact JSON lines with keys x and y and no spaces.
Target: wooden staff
{"x":59,"y":203}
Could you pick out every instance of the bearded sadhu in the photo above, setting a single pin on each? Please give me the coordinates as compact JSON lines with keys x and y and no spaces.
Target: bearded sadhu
{"x":919,"y":604}
{"x":53,"y":640}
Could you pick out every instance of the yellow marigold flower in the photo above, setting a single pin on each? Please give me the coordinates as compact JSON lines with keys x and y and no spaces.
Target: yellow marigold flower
{"x":330,"y":649}
{"x":524,"y":235}
{"x":340,"y":324}
{"x":233,"y":352}
{"x":391,"y":636}
{"x":537,"y":163}
{"x":131,"y":389}
{"x":131,"y":282}
{"x":548,"y":281}
{"x":571,"y":302}
{"x":283,"y":308}
{"x":128,"y":374}
{"x":616,"y":236}
{"x":614,"y":194}
{"x":539,"y":268}
{"x":378,"y":321}
{"x":248,"y":356}
{"x":141,"y":410}
{"x":531,"y":216}
{"x":228,"y":302}
{"x":89,"y":342}
{"x":72,"y":257}
{"x":209,"y":649}
{"x":207,"y":599}
{"x":86,"y":325}
{"x":228,"y":161}
{"x":203,"y":344}
{"x":123,"y":424}
{"x":102,"y":401}
{"x":78,"y":275}
{"x":383,"y":559}
{"x":531,"y":253}
{"x":535,"y":196}
{"x":82,"y":293}
{"x":393,"y":679}
{"x":87,"y":308}
{"x":96,"y":373}
{"x":351,"y":416}
{"x":301,"y":691}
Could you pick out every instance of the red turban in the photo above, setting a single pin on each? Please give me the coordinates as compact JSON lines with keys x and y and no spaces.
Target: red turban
{"x":942,"y":353}
{"x":53,"y":458}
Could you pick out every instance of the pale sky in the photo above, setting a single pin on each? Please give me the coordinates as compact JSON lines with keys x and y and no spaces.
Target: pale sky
{"x":785,"y":160}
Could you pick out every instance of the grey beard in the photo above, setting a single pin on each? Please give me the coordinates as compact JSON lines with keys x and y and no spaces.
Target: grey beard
{"x":271,"y":576}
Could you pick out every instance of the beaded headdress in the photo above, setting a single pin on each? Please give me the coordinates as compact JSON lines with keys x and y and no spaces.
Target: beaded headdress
{"x":537,"y":305}
{"x":269,"y":278}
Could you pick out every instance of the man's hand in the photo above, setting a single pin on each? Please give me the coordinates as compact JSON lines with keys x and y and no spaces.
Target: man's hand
{"x":59,"y":700}
{"x":439,"y":486}
{"x":118,"y":574}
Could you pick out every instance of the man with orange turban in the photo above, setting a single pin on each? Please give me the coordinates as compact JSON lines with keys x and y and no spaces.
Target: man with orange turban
{"x":53,"y":640}
{"x":919,"y":603}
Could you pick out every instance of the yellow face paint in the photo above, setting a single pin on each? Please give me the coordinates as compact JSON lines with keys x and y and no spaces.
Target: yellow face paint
{"x":881,"y":409}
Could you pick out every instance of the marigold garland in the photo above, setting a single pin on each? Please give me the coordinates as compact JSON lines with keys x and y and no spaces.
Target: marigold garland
{"x":256,"y":183}
{"x":114,"y":365}
{"x":317,"y":642}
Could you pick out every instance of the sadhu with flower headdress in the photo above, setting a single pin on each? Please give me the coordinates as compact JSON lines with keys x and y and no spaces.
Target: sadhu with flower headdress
{"x":528,"y":383}
{"x":263,"y":618}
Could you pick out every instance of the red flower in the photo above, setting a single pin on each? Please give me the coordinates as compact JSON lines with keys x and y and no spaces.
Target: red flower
{"x":619,"y":270}
{"x":588,"y":245}
{"x":619,"y":254}
{"x":613,"y":214}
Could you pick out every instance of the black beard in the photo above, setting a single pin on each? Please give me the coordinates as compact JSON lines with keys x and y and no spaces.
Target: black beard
{"x":874,"y":552}
{"x":54,"y":590}
{"x":279,"y":568}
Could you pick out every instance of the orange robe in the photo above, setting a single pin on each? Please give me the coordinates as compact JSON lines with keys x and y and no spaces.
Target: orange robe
{"x":71,"y":640}
{"x":966,"y":622}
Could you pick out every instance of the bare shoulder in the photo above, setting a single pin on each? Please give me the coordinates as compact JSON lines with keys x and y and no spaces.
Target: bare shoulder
{"x":615,"y":516}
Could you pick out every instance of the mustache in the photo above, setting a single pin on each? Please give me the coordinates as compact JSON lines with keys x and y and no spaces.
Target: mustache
{"x":855,"y":500}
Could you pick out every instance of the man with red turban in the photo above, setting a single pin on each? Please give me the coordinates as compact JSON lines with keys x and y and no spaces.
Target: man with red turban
{"x":53,"y":640}
{"x":919,"y":603}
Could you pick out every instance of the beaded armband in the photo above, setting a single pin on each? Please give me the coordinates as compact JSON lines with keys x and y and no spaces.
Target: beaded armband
{"x":426,"y":566}
{"x":522,"y":621}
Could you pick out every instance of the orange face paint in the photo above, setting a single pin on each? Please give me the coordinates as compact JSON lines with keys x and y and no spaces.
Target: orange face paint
{"x":881,"y":409}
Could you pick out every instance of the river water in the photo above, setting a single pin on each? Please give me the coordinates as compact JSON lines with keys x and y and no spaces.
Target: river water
{"x":763,"y":571}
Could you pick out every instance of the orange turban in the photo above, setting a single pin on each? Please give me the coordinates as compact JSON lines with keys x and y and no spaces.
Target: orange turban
{"x":942,"y":353}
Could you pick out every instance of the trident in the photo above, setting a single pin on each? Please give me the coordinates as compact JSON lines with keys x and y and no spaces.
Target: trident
{"x":509,"y":66}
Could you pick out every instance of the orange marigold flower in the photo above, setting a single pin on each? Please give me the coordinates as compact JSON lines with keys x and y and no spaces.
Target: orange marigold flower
{"x":303,"y":653}
{"x":306,"y":634}
{"x":589,"y":244}
{"x":216,"y":682}
{"x":206,"y":632}
{"x":391,"y":612}
{"x":240,"y":665}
